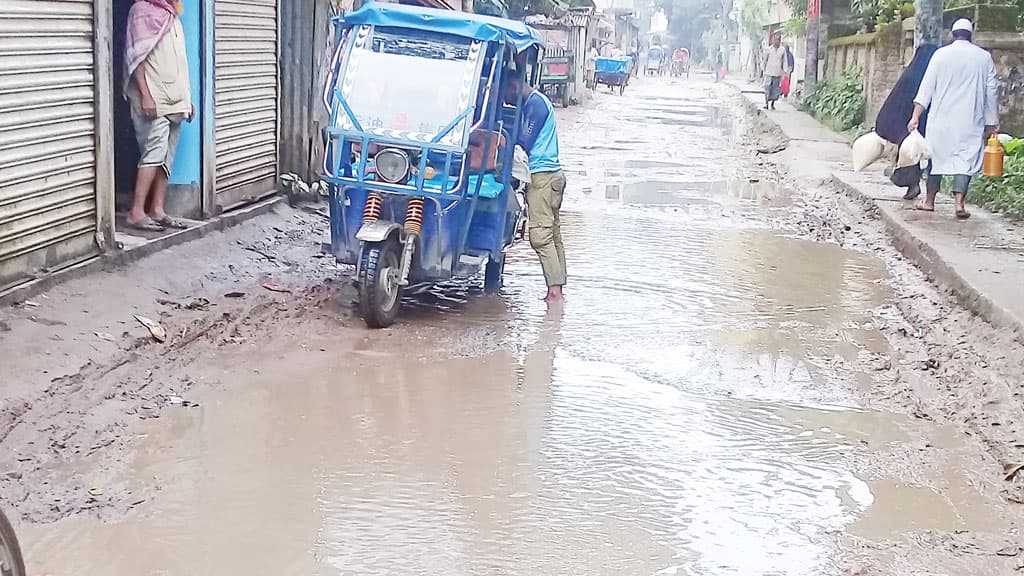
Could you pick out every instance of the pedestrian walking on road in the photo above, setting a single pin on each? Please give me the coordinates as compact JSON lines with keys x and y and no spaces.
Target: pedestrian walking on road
{"x":896,"y":112}
{"x":539,"y":138}
{"x":775,"y":67}
{"x":157,"y":87}
{"x":960,"y":92}
{"x":787,"y":80}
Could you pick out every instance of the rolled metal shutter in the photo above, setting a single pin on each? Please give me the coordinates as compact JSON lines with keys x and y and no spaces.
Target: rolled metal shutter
{"x":246,"y":100}
{"x":48,"y":93}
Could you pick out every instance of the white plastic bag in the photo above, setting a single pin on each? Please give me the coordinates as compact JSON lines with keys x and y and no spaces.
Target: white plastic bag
{"x":520,"y":165}
{"x":913,"y":150}
{"x":866,"y":150}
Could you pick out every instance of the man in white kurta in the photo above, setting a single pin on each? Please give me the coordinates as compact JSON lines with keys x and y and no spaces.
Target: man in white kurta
{"x":960,"y":92}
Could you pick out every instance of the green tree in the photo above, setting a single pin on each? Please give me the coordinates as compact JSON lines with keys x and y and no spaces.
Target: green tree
{"x":688,"y":20}
{"x":798,"y":7}
{"x":714,"y":38}
{"x":753,"y":16}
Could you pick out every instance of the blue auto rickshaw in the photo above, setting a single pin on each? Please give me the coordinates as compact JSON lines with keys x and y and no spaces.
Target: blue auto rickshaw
{"x":420,"y":147}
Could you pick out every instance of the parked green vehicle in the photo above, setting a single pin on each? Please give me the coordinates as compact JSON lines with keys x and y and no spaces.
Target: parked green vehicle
{"x":555,"y":77}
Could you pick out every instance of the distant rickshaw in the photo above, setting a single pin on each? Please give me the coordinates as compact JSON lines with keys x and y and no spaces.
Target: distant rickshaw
{"x":613,"y":72}
{"x":655,"y":60}
{"x":681,"y":63}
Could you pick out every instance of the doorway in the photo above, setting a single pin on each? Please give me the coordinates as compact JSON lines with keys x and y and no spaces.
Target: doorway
{"x":184,"y":194}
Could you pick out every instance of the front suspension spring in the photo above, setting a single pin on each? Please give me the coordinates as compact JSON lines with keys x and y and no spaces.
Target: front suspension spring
{"x":414,"y":216}
{"x":371,"y":211}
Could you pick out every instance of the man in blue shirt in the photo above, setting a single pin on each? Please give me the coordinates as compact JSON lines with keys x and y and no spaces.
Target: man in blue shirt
{"x":539,"y":138}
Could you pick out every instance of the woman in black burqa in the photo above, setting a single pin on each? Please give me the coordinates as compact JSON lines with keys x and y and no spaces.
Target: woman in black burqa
{"x":895,"y":113}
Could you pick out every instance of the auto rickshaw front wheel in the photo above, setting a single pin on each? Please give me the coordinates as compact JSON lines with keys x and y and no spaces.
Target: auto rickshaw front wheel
{"x":379,"y":289}
{"x":11,"y":562}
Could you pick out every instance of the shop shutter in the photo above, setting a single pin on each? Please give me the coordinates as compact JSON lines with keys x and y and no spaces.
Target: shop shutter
{"x":48,"y":213}
{"x":246,"y":100}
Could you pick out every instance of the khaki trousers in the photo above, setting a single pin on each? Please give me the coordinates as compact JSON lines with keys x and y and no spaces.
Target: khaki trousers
{"x":543,"y":201}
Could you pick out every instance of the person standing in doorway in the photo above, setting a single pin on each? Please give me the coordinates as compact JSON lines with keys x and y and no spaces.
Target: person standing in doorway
{"x":960,"y":92}
{"x":539,"y":138}
{"x":775,"y":67}
{"x":157,"y":88}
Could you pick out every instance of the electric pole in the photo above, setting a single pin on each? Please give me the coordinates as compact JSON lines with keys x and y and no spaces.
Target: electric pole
{"x":811,"y":61}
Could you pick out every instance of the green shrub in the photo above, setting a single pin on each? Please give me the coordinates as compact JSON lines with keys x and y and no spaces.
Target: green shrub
{"x":1006,"y":194}
{"x":839,"y":102}
{"x":1014,"y":147}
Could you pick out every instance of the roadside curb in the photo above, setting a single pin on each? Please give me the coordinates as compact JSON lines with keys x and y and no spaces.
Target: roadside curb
{"x":912,"y":246}
{"x":931,"y":262}
{"x":758,"y":113}
{"x":117,"y":258}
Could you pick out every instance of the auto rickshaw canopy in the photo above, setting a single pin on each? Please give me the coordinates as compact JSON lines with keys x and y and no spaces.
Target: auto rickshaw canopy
{"x":464,"y":24}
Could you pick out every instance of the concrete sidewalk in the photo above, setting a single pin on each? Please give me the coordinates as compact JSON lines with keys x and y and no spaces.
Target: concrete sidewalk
{"x":980,"y":260}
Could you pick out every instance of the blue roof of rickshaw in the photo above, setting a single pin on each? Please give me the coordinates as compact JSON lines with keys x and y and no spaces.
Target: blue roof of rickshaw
{"x":465,"y":24}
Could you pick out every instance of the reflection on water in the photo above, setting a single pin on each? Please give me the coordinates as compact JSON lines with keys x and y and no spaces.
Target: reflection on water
{"x":684,"y":414}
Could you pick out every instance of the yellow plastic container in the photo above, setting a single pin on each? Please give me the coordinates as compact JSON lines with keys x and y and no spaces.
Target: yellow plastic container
{"x":992,"y":161}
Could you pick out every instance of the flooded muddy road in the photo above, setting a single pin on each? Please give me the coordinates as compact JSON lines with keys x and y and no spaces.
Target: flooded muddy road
{"x":695,"y":408}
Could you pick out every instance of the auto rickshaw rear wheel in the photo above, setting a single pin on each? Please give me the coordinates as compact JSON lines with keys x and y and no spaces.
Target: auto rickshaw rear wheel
{"x":494,"y":275}
{"x":11,"y":561}
{"x":379,"y":292}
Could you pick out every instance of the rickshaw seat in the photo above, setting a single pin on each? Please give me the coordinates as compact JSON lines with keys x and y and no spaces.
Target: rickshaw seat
{"x":489,"y":187}
{"x":478,"y":140}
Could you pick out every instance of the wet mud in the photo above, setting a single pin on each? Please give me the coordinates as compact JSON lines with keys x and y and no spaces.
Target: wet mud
{"x":706,"y":402}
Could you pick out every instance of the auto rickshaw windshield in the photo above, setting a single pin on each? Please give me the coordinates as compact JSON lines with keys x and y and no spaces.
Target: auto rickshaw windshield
{"x":409,"y":83}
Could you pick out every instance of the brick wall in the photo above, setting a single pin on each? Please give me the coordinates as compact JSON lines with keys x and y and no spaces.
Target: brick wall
{"x":883,"y":54}
{"x":1008,"y":54}
{"x":880,"y":55}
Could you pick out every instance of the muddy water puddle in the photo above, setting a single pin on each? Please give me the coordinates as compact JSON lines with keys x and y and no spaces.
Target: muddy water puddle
{"x":542,"y":463}
{"x":692,"y":409}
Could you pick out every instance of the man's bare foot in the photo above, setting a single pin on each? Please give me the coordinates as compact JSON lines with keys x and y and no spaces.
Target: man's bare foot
{"x":554,"y":295}
{"x":959,"y":209}
{"x":924,"y":207}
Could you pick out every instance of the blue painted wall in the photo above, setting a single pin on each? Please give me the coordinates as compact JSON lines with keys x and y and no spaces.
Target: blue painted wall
{"x":187,"y":158}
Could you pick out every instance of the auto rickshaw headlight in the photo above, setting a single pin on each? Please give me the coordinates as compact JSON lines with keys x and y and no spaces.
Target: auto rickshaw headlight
{"x":392,"y":165}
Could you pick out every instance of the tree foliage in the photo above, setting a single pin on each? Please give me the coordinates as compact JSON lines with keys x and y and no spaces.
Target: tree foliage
{"x":1006,"y":194}
{"x":519,"y":9}
{"x":839,"y":101}
{"x":753,"y":16}
{"x":714,"y":38}
{"x":688,"y":20}
{"x":799,"y":7}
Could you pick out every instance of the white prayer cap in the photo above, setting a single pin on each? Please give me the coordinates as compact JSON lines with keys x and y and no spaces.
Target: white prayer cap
{"x":963,"y":24}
